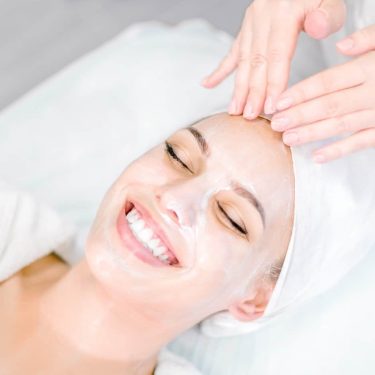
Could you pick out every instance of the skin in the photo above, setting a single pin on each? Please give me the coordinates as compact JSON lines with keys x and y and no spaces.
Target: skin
{"x":338,"y":101}
{"x":265,"y":45}
{"x":334,"y":102}
{"x":112,"y":312}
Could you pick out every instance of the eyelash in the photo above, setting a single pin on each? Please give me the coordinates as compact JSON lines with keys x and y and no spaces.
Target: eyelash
{"x":170,"y":151}
{"x":233,"y":223}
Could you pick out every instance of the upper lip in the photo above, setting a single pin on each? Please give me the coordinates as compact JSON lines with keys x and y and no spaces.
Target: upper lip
{"x":153,"y":224}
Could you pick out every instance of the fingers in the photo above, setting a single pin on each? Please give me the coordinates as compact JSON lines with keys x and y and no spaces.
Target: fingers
{"x":324,"y":107}
{"x":281,"y":46}
{"x":356,"y":142}
{"x":241,"y":87}
{"x":358,"y":43}
{"x":327,"y":19}
{"x":258,"y":70}
{"x":350,"y":123}
{"x":329,"y":81}
{"x":225,"y":68}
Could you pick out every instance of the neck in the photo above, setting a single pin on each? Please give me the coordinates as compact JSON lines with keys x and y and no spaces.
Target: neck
{"x":87,"y":324}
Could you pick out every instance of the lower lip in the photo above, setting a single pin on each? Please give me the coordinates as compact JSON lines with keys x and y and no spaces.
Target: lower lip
{"x":133,"y":245}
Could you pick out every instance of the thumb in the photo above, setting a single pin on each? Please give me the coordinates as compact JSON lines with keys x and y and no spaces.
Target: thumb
{"x":325,"y":20}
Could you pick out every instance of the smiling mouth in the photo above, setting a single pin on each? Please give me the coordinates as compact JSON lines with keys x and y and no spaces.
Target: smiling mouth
{"x":144,"y":238}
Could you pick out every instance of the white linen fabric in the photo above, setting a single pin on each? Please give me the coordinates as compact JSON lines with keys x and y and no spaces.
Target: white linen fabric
{"x":29,"y":230}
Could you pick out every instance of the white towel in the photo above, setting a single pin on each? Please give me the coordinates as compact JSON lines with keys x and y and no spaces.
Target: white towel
{"x":28,"y":231}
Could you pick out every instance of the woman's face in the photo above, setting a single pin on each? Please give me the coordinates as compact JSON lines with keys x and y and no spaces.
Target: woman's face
{"x":192,"y":225}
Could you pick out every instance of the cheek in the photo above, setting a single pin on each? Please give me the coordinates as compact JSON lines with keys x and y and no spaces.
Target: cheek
{"x":224,"y":264}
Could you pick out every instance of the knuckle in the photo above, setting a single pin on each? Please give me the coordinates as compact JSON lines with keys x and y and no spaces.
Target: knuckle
{"x":300,"y":94}
{"x":244,"y":57}
{"x":332,"y":107}
{"x":255,"y":91}
{"x":310,"y":132}
{"x":343,"y":126}
{"x":231,"y":53}
{"x":274,"y":88}
{"x":298,"y":116}
{"x":326,"y":82}
{"x":258,"y":60}
{"x":276,"y":56}
{"x":241,"y":90}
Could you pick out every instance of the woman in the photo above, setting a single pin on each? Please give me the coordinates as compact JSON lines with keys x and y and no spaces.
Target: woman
{"x":186,"y":231}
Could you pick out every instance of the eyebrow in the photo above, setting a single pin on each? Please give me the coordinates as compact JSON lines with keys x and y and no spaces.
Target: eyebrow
{"x":202,"y":143}
{"x":237,"y":187}
{"x":250,"y":197}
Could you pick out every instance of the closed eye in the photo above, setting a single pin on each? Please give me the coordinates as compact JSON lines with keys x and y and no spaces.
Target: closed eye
{"x":172,"y":154}
{"x":232,"y":222}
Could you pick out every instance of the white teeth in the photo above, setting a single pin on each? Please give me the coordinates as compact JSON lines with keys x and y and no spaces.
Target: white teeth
{"x":138,"y":225}
{"x":154,"y":243}
{"x":132,"y":219}
{"x":159,"y":251}
{"x":146,"y":236}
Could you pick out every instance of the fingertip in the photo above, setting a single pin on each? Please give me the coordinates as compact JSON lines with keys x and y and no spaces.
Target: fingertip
{"x":233,"y":109}
{"x":284,"y":103}
{"x":209,"y":83}
{"x":204,"y":81}
{"x":317,"y":24}
{"x":269,"y":106}
{"x":346,"y":46}
{"x":249,"y":112}
{"x":319,"y":158}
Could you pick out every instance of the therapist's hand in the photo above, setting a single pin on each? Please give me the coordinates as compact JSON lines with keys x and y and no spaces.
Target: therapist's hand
{"x":336,"y":101}
{"x":265,"y":45}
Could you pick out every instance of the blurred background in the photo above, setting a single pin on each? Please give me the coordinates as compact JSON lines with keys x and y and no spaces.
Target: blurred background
{"x":39,"y":37}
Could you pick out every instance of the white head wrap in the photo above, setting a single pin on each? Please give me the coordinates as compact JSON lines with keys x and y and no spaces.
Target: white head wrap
{"x":334,"y":228}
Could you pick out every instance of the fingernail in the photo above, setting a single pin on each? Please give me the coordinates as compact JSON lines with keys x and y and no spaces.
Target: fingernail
{"x":291,"y":138}
{"x":319,"y":158}
{"x":248,"y":112}
{"x":284,"y":103}
{"x":268,"y":106}
{"x":232,"y":110}
{"x":280,"y":123}
{"x":346,"y":44}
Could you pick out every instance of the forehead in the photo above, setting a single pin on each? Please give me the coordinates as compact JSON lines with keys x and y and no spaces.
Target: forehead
{"x":250,"y":150}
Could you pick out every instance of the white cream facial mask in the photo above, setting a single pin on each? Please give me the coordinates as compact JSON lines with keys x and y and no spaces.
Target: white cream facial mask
{"x":189,"y":225}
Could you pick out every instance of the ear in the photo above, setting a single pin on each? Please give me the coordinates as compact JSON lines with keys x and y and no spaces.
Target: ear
{"x":253,"y":305}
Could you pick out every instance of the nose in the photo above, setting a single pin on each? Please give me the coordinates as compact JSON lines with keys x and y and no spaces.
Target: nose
{"x":179,"y":203}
